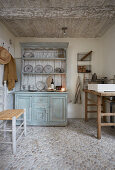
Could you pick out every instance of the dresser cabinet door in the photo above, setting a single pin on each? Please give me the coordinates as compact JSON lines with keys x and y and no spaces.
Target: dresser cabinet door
{"x":57,"y":109}
{"x":39,"y":115}
{"x":39,"y":110}
{"x":24,"y":103}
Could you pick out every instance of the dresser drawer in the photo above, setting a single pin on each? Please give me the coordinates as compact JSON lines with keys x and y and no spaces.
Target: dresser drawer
{"x":39,"y":100}
{"x":39,"y":105}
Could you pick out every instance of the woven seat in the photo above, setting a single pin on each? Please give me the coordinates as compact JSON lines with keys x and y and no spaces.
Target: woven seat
{"x":9,"y":114}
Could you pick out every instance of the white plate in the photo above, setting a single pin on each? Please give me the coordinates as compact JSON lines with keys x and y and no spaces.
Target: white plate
{"x":28,"y":68}
{"x":38,"y":69}
{"x":40,"y":85}
{"x":48,"y":69}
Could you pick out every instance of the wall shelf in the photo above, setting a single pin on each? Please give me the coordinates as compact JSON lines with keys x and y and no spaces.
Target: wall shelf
{"x":84,"y":66}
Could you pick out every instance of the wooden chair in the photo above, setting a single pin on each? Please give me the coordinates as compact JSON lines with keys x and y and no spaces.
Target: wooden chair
{"x":12,"y":115}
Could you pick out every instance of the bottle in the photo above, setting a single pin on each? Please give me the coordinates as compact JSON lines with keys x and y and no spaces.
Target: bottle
{"x":52,"y":84}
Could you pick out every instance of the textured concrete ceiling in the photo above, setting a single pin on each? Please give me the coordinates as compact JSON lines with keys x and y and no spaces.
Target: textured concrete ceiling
{"x":45,"y":18}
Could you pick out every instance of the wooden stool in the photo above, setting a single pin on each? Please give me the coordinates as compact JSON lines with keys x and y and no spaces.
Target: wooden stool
{"x":13,"y":115}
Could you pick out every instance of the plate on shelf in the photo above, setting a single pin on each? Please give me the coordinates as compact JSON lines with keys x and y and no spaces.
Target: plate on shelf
{"x":28,"y":68}
{"x":48,"y":69}
{"x":38,"y":69}
{"x":40,"y":85}
{"x":28,"y":54}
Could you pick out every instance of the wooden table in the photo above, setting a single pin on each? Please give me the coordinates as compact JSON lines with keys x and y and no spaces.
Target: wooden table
{"x":101,"y":97}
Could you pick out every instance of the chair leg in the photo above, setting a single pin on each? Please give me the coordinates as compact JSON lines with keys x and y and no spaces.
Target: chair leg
{"x":98,"y":117}
{"x":86,"y":102}
{"x":25,"y":122}
{"x":14,"y":134}
{"x":5,"y":122}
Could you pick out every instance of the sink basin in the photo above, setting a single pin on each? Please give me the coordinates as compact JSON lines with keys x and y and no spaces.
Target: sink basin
{"x":102,"y":87}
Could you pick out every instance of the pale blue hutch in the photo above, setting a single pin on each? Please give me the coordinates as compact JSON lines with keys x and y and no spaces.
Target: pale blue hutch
{"x":44,"y":108}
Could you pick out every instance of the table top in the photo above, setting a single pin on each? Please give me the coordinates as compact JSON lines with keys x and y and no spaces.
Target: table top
{"x":100,"y":93}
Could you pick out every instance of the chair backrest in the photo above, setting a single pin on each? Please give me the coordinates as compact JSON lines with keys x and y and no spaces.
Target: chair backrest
{"x":3,"y":96}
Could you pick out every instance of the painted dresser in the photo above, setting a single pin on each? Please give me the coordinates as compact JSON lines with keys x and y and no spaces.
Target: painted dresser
{"x":43,"y":108}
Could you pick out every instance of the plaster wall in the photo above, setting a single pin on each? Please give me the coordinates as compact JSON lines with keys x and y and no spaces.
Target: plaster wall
{"x":108,"y":45}
{"x":5,"y":36}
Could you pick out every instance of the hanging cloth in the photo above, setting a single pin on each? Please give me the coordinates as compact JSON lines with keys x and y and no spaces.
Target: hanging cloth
{"x":10,"y":75}
{"x":78,"y":92}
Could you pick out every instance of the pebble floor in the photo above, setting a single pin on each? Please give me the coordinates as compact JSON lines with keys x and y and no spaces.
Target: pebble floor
{"x":74,"y":147}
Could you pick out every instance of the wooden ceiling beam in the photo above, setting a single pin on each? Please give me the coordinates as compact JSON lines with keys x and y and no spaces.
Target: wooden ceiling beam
{"x":78,"y":12}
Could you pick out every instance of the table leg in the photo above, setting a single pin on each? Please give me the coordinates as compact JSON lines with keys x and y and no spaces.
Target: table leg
{"x":103,"y":103}
{"x":111,"y":121}
{"x":86,"y":102}
{"x":14,"y":134}
{"x":99,"y":117}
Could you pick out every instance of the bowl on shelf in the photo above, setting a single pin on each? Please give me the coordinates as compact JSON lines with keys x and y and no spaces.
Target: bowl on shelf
{"x":28,"y":54}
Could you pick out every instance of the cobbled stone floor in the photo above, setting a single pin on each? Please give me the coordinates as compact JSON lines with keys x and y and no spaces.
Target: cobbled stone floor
{"x":74,"y":147}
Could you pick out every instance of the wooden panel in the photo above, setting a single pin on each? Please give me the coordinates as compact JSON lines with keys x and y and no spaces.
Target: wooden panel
{"x":24,"y":102}
{"x":57,"y":109}
{"x":39,"y":100}
{"x":39,"y":115}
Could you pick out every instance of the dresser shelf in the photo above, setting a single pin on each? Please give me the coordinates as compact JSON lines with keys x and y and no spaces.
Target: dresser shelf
{"x":43,"y":73}
{"x":35,"y":58}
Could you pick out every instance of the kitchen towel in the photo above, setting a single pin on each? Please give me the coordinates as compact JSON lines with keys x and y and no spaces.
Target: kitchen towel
{"x":78,"y":92}
{"x":10,"y":75}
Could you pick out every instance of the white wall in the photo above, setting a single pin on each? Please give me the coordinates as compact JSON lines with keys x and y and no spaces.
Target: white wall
{"x":5,"y":36}
{"x":75,"y":46}
{"x":108,"y":43}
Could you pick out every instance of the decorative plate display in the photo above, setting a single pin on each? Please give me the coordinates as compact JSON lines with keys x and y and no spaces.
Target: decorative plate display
{"x":40,"y":85}
{"x":38,"y":69}
{"x":28,"y":54}
{"x":28,"y":68}
{"x":48,"y":69}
